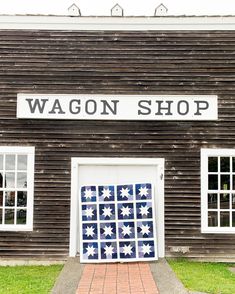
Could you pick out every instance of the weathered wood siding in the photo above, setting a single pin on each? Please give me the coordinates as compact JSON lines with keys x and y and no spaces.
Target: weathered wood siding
{"x":185,"y":62}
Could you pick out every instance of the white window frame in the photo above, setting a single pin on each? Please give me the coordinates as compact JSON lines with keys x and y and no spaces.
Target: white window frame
{"x":205,"y":153}
{"x":29,"y":151}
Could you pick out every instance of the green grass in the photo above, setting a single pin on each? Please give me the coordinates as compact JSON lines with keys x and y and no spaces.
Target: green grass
{"x":204,"y":276}
{"x":28,"y":279}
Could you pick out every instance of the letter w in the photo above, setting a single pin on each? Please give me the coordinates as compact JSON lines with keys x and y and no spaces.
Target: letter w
{"x":37,"y":104}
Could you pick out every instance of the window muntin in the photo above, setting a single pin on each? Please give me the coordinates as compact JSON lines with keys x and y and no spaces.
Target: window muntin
{"x":218,"y":190}
{"x":16,"y":188}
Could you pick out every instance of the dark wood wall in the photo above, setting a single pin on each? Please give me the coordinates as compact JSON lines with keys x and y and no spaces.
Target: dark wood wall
{"x":161,"y":62}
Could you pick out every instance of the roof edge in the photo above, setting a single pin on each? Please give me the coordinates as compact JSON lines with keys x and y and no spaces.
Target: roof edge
{"x":39,"y":22}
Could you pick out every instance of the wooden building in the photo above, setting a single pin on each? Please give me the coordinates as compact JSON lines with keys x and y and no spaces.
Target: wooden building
{"x":43,"y":155}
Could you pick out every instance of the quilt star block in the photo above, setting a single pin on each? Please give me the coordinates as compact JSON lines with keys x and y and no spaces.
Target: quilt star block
{"x":109,"y":250}
{"x":89,"y":212}
{"x":117,"y":223}
{"x":88,"y":194}
{"x":124,"y":192}
{"x":106,"y":193}
{"x":90,"y":251}
{"x":126,"y":230}
{"x":145,"y":229}
{"x":143,"y":191}
{"x":125,"y":211}
{"x":127,"y":249}
{"x":144,"y":210}
{"x":108,"y":230}
{"x":89,"y":231}
{"x":107,"y":211}
{"x":146,"y":249}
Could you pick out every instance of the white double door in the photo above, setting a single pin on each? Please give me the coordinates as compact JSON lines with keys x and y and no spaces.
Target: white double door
{"x":98,"y":173}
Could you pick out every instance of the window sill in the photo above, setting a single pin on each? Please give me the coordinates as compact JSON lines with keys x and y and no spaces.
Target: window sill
{"x":218,"y":231}
{"x":16,"y":228}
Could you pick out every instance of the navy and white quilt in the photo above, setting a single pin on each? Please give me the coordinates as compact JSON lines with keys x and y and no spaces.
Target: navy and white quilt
{"x":117,"y":223}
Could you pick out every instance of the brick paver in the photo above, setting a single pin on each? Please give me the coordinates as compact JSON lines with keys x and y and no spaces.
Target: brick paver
{"x":118,"y":278}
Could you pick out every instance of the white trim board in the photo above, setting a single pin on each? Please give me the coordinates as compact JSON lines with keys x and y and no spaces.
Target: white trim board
{"x":172,"y":23}
{"x":74,"y":217}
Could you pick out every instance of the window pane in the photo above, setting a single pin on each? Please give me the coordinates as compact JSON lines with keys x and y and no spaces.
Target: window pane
{"x":10,"y":198}
{"x":225,"y":182}
{"x":10,"y":162}
{"x":233,"y":201}
{"x":224,"y":219}
{"x":1,"y":198}
{"x":213,"y":182}
{"x":233,"y":164}
{"x":22,"y":162}
{"x":225,"y":164}
{"x":233,"y":224}
{"x":1,"y":180}
{"x":0,"y":216}
{"x":21,"y":217}
{"x":212,"y":219}
{"x":10,"y":180}
{"x":21,"y":180}
{"x":21,"y":199}
{"x":1,"y":161}
{"x":212,"y":201}
{"x":224,"y":201}
{"x":233,"y":182}
{"x":9,"y":216}
{"x":213,"y":164}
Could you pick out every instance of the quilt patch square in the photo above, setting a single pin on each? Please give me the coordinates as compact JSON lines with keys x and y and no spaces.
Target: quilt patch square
{"x":144,"y":210}
{"x":109,"y":250}
{"x":125,"y":210}
{"x":90,"y":251}
{"x":124,"y":192}
{"x":89,"y":212}
{"x":146,"y":249}
{"x":108,"y":230}
{"x":106,"y":193}
{"x":143,"y":191}
{"x":117,"y":223}
{"x":107,"y":211}
{"x":126,"y":230}
{"x":88,"y":194}
{"x":89,"y":231}
{"x":127,"y":249}
{"x":145,"y":229}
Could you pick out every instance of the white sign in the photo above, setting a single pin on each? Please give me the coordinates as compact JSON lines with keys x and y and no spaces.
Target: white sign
{"x":117,"y":107}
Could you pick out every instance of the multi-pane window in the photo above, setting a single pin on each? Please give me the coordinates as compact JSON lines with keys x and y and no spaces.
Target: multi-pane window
{"x":16,"y":188}
{"x":218,"y":190}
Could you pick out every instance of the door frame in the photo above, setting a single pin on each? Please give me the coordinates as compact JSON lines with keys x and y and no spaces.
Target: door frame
{"x":76,"y":162}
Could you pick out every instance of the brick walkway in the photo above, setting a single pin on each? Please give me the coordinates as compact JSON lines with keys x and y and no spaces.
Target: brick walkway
{"x":118,"y":278}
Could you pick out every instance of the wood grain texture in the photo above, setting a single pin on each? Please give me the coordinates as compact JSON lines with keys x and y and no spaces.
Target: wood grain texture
{"x":183,"y":62}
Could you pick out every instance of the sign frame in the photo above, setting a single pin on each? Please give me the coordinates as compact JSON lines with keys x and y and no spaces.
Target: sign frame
{"x":117,"y":107}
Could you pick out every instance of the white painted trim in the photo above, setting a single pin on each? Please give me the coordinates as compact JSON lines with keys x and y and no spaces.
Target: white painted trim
{"x":78,"y":161}
{"x":205,"y":153}
{"x":40,"y":22}
{"x":117,"y":161}
{"x":17,"y":150}
{"x":30,"y":152}
{"x":73,"y":242}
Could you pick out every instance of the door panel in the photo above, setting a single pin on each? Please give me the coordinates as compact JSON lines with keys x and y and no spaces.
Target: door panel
{"x":117,"y":228}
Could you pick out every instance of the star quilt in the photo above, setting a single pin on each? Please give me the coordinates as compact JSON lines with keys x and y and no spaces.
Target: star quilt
{"x":117,"y":223}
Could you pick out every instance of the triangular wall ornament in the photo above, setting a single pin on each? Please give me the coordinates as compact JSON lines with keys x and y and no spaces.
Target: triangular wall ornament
{"x":117,"y":10}
{"x":161,"y":10}
{"x":74,"y":10}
